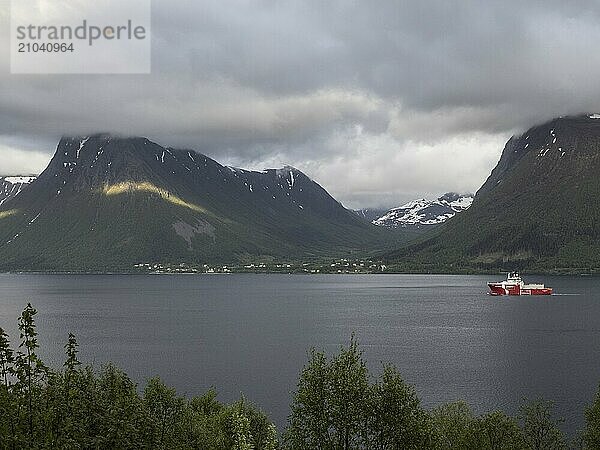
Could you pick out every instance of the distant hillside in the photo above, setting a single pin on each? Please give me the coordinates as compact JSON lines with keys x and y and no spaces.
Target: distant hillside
{"x":108,"y":203}
{"x":538,"y":210}
{"x":424,"y":214}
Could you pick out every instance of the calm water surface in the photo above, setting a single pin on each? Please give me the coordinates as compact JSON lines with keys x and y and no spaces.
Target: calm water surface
{"x":250,"y":333}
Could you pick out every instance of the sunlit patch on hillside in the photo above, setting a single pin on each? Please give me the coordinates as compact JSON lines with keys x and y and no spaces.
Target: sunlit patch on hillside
{"x":130,"y":186}
{"x":8,"y":213}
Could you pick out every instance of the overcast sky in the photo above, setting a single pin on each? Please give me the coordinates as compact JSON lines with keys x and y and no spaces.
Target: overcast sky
{"x":379,"y":101}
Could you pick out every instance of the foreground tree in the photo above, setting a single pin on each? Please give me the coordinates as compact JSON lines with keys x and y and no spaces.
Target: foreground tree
{"x":455,"y":427}
{"x":347,"y":391}
{"x":335,"y":407}
{"x":395,"y":419}
{"x":328,"y":409}
{"x":30,"y":373}
{"x":591,"y":433}
{"x":309,"y":422}
{"x":165,"y":411}
{"x":7,"y":398}
{"x":541,"y":430}
{"x":497,"y":431}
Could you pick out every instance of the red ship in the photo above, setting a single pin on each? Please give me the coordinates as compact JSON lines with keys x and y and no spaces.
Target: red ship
{"x":514,"y":285}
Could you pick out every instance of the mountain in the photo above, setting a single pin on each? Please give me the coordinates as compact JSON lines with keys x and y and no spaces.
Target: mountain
{"x":11,"y":186}
{"x":539,"y":209}
{"x":108,"y":203}
{"x":424,"y":213}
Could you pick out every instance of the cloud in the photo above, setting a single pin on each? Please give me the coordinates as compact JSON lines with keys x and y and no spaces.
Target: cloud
{"x":431,"y":85}
{"x":22,"y":162}
{"x":405,"y":170}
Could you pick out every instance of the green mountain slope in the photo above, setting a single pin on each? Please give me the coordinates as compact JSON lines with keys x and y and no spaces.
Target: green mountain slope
{"x":107,"y":203}
{"x":539,"y":210}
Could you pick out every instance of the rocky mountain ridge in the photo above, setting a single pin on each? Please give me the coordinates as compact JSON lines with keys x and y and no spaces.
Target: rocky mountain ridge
{"x":109,"y":203}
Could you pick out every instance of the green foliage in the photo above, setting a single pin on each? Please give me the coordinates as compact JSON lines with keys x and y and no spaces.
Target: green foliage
{"x":240,"y":431}
{"x":347,"y":395}
{"x":335,"y":407}
{"x":395,"y":419}
{"x":309,"y":419}
{"x":164,"y":409}
{"x":454,"y":424}
{"x":541,"y":430}
{"x":6,"y":357}
{"x":7,"y":400}
{"x":591,"y":434}
{"x":497,"y":431}
{"x":71,"y":350}
{"x":458,"y":428}
{"x":30,"y":373}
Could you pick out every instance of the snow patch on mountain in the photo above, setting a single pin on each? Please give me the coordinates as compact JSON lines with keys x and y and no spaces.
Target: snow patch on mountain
{"x":11,"y":186}
{"x":288,"y":173}
{"x":424,"y":213}
{"x":81,"y":144}
{"x":18,"y":180}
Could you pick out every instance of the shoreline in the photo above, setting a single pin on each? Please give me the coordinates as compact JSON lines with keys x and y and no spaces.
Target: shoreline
{"x":274,"y":272}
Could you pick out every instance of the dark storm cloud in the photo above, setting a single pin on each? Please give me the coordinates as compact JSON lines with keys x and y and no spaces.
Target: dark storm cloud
{"x":426,"y":54}
{"x":353,"y":92}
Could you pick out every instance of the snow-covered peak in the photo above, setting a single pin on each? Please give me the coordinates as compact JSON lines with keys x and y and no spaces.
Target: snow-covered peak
{"x":422,"y":212}
{"x":420,"y":203}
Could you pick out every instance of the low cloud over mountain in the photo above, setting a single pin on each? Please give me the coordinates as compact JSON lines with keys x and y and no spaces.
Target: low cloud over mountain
{"x":366,"y":99}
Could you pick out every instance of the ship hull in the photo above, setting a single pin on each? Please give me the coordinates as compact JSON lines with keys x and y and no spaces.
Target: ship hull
{"x":515,"y":289}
